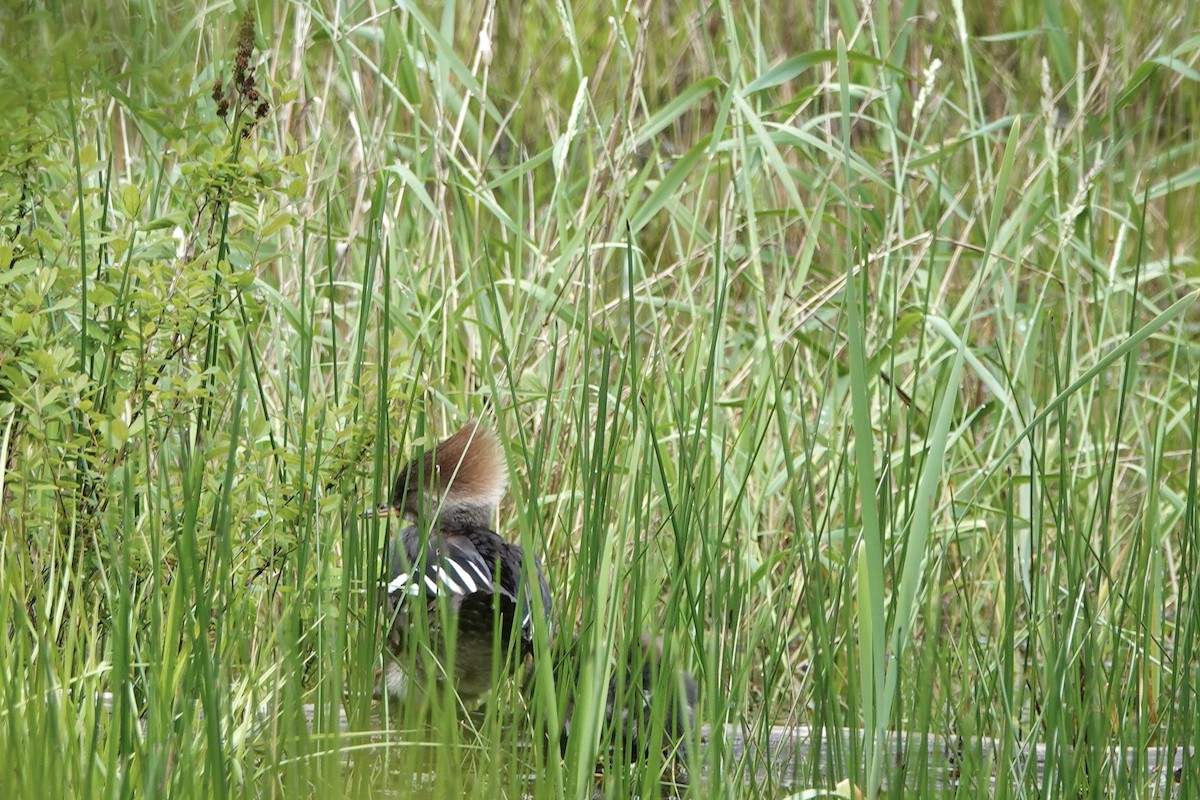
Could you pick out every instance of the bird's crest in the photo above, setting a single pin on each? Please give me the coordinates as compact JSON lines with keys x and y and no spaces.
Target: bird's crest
{"x":466,"y":469}
{"x":470,"y":465}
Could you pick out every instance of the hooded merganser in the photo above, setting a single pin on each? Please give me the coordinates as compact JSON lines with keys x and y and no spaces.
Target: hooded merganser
{"x":642,"y":674}
{"x":457,"y":487}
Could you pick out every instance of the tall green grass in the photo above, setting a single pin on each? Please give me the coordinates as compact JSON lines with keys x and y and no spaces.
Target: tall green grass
{"x":849,"y":350}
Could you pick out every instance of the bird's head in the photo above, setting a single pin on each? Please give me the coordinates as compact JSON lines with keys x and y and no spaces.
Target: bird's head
{"x":461,"y":480}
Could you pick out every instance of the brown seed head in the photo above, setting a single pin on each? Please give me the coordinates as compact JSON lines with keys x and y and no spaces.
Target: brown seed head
{"x":245,"y":40}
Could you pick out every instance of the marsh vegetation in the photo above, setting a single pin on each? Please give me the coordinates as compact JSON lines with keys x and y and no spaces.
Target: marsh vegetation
{"x":847,"y":348}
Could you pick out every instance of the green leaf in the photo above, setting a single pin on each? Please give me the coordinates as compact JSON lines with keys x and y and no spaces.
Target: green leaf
{"x":101,"y":295}
{"x":788,"y":69}
{"x":131,"y":200}
{"x":414,"y":184}
{"x":668,"y":186}
{"x":1143,"y":333}
{"x":169,"y":221}
{"x":676,"y":108}
{"x":794,"y":66}
{"x":1148,"y":68}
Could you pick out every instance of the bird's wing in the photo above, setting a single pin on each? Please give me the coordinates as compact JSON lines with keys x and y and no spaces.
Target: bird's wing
{"x":515,"y":583}
{"x":441,"y":566}
{"x":537,"y":584}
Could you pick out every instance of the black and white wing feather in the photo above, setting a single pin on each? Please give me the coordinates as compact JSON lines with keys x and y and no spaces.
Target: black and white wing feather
{"x":443,"y":566}
{"x":477,"y":577}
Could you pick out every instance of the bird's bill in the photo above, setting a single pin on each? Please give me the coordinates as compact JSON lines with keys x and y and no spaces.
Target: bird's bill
{"x":384,"y":510}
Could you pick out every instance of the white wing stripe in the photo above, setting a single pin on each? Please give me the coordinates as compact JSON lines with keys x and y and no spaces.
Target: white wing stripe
{"x":484,"y":580}
{"x":469,"y":586}
{"x":464,"y":580}
{"x":445,"y":578}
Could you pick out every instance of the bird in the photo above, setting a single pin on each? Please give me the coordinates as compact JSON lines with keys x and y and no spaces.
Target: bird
{"x":452,"y":555}
{"x":641,"y":681}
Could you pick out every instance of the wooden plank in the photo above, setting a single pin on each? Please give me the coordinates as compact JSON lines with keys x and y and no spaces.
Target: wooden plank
{"x":794,"y":755}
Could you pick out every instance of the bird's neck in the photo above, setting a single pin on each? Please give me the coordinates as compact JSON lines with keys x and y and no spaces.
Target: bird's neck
{"x":463,"y":515}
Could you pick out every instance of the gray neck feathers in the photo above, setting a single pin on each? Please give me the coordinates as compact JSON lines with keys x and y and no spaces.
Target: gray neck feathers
{"x":462,"y":515}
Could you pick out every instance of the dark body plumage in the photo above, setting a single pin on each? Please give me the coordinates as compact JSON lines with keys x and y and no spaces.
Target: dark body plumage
{"x":454,"y":490}
{"x":641,"y":680}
